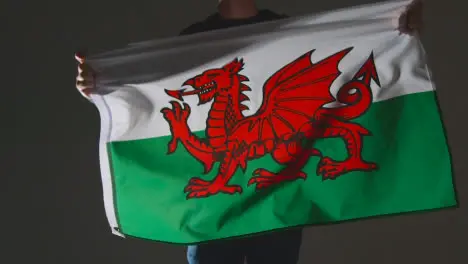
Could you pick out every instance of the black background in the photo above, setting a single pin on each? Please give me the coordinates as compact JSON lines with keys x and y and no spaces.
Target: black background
{"x":55,"y":212}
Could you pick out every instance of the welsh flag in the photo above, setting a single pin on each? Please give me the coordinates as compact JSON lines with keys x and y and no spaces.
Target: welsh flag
{"x":311,"y":120}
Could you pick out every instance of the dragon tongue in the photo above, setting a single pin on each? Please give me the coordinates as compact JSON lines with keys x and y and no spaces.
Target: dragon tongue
{"x":176,"y":94}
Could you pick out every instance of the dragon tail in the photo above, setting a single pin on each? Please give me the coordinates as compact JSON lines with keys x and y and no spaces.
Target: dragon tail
{"x":356,"y":95}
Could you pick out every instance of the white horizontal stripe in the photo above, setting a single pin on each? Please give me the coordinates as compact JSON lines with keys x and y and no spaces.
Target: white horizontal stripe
{"x":134,"y":80}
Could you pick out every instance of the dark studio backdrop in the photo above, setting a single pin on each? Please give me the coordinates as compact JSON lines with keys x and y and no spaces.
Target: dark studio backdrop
{"x":55,"y":213}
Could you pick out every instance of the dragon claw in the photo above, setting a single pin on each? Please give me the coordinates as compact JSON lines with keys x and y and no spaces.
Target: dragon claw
{"x":177,"y":118}
{"x":177,"y":114}
{"x":198,"y":181}
{"x":264,"y":179}
{"x":199,"y":188}
{"x":167,"y":113}
{"x":331,"y":169}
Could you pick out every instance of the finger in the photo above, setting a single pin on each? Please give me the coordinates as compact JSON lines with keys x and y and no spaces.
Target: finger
{"x":82,"y":68}
{"x":84,"y":88}
{"x":80,"y":78}
{"x":85,"y":68}
{"x":403,"y":19}
{"x":81,"y":85}
{"x":79,"y":57}
{"x":86,"y":92}
{"x":85,"y":77}
{"x":84,"y":81}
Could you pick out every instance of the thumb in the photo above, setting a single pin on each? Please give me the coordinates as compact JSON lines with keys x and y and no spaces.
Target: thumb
{"x":80,"y":57}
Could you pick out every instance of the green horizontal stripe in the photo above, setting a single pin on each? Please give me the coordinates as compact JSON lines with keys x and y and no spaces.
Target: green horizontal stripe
{"x":408,"y":144}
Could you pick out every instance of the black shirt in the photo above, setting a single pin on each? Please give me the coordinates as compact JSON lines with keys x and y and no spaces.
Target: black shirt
{"x":215,"y":22}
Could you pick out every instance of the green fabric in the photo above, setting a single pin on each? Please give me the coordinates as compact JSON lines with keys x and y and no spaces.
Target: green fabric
{"x":408,"y":144}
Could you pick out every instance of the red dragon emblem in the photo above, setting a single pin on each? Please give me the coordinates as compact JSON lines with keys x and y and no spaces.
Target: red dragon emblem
{"x":292,"y":116}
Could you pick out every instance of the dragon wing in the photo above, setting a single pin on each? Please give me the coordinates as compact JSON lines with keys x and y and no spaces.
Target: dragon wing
{"x":291,"y":97}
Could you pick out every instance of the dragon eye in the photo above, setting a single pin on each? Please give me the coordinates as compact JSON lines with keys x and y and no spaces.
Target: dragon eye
{"x":212,"y":75}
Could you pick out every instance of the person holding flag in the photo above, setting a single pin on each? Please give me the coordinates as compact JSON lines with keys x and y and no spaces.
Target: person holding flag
{"x":280,"y":247}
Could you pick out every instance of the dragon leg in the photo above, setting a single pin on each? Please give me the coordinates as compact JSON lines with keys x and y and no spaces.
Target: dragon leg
{"x":198,"y":188}
{"x":352,"y":135}
{"x":200,"y":151}
{"x":293,"y":156}
{"x":177,"y":119}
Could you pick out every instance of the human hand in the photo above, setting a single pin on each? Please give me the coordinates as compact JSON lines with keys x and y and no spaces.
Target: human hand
{"x":410,"y":20}
{"x":85,"y":80}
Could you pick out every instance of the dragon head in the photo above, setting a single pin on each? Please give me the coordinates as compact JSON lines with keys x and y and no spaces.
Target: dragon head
{"x":210,"y":83}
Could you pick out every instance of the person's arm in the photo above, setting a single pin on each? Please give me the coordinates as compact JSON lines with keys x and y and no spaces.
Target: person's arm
{"x":410,"y":20}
